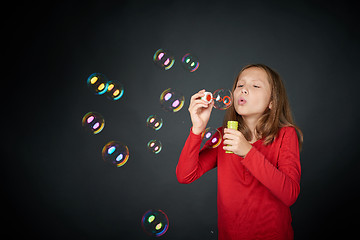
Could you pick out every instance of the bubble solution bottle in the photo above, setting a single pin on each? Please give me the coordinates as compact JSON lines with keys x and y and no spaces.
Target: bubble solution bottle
{"x":232,"y":125}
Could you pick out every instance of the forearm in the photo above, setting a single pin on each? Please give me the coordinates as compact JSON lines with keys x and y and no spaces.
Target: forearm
{"x":188,"y":161}
{"x":192,"y":163}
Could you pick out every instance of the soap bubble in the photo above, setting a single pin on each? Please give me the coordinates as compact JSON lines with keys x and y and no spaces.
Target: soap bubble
{"x":98,"y":83}
{"x":211,"y":137}
{"x":222,"y":99}
{"x":115,"y":153}
{"x":190,"y":62}
{"x":164,"y":59}
{"x":154,"y":146}
{"x":155,"y":223}
{"x":93,"y":122}
{"x":172,"y":100}
{"x":115,"y":90}
{"x":154,"y":122}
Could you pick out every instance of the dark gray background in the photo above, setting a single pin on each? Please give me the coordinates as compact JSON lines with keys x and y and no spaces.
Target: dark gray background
{"x":57,"y":186}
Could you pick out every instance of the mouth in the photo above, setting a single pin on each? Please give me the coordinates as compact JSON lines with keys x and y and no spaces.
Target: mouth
{"x":241,"y":101}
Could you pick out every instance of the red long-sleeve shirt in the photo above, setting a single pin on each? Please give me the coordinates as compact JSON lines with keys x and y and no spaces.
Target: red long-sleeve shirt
{"x":255,"y":192}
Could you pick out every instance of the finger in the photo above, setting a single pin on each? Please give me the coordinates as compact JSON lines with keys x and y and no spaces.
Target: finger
{"x":229,"y":136}
{"x":195,"y":101}
{"x":197,"y":105}
{"x":199,"y":101}
{"x":228,"y":148}
{"x":198,"y":94}
{"x":228,"y":142}
{"x":229,"y":130}
{"x":232,"y":131}
{"x":226,"y":136}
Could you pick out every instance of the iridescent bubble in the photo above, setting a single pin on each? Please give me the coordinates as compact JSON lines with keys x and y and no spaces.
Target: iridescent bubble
{"x":93,"y":122}
{"x":172,"y":100}
{"x":154,"y":146}
{"x":98,"y":83}
{"x":222,"y":99}
{"x":115,"y":153}
{"x":115,"y":90}
{"x":154,"y":122}
{"x":155,"y":223}
{"x":164,"y":59}
{"x":190,"y":62}
{"x":211,"y":137}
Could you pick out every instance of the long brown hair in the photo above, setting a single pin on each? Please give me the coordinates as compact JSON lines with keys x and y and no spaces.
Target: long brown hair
{"x":272,"y":119}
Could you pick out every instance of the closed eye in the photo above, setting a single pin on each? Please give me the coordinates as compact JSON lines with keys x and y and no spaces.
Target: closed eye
{"x":256,"y":86}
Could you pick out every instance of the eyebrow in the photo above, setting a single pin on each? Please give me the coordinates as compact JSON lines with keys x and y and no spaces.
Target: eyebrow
{"x":253,"y":80}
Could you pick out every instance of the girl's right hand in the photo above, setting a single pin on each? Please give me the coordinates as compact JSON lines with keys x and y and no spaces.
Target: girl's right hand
{"x":200,"y":111}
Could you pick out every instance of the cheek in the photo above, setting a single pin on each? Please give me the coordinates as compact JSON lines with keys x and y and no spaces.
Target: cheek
{"x":263,"y":99}
{"x":236,"y":93}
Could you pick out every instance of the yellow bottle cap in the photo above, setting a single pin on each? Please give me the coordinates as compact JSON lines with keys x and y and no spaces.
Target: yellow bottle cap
{"x":233,"y":124}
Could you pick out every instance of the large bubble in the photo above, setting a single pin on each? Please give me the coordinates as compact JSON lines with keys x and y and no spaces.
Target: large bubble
{"x":211,"y":137}
{"x":172,"y":100}
{"x":222,"y":99}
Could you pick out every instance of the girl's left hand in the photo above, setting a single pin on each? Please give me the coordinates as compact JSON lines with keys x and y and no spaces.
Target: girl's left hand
{"x":235,"y":142}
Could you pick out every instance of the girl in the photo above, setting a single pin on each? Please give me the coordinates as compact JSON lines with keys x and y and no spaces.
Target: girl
{"x":260,"y":180}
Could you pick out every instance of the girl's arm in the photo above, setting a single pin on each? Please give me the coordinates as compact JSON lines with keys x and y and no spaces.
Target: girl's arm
{"x":284,"y":181}
{"x":193,"y":164}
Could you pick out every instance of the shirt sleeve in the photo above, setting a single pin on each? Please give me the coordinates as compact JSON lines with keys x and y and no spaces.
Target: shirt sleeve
{"x":194,"y":163}
{"x":283,"y":181}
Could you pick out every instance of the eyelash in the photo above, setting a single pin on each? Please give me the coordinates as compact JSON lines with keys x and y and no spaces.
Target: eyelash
{"x":253,"y":86}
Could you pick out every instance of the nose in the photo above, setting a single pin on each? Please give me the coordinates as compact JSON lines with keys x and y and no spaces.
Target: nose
{"x":244,"y":91}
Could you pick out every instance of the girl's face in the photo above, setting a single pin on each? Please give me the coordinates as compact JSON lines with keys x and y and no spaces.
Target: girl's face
{"x":252,"y":93}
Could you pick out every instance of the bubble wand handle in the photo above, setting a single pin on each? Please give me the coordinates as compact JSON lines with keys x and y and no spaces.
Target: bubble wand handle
{"x":232,"y":125}
{"x":209,"y":97}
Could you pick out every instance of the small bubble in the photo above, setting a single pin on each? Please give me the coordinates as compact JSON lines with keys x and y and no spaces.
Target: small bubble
{"x":154,"y":122}
{"x":114,"y":91}
{"x":163,"y":59}
{"x":93,"y":122}
{"x":190,"y":62}
{"x":98,"y":83}
{"x":154,"y":146}
{"x":155,"y":222}
{"x":115,"y":153}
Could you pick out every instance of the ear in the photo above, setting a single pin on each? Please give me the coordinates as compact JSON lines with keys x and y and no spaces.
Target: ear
{"x":270,"y":105}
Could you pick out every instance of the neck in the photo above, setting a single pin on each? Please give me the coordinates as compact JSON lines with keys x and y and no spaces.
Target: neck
{"x":251,"y":122}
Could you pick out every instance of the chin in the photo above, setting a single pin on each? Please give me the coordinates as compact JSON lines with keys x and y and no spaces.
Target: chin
{"x":245,"y":111}
{"x":240,"y":111}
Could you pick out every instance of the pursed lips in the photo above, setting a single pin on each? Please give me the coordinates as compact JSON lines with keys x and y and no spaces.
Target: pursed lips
{"x":242,"y":101}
